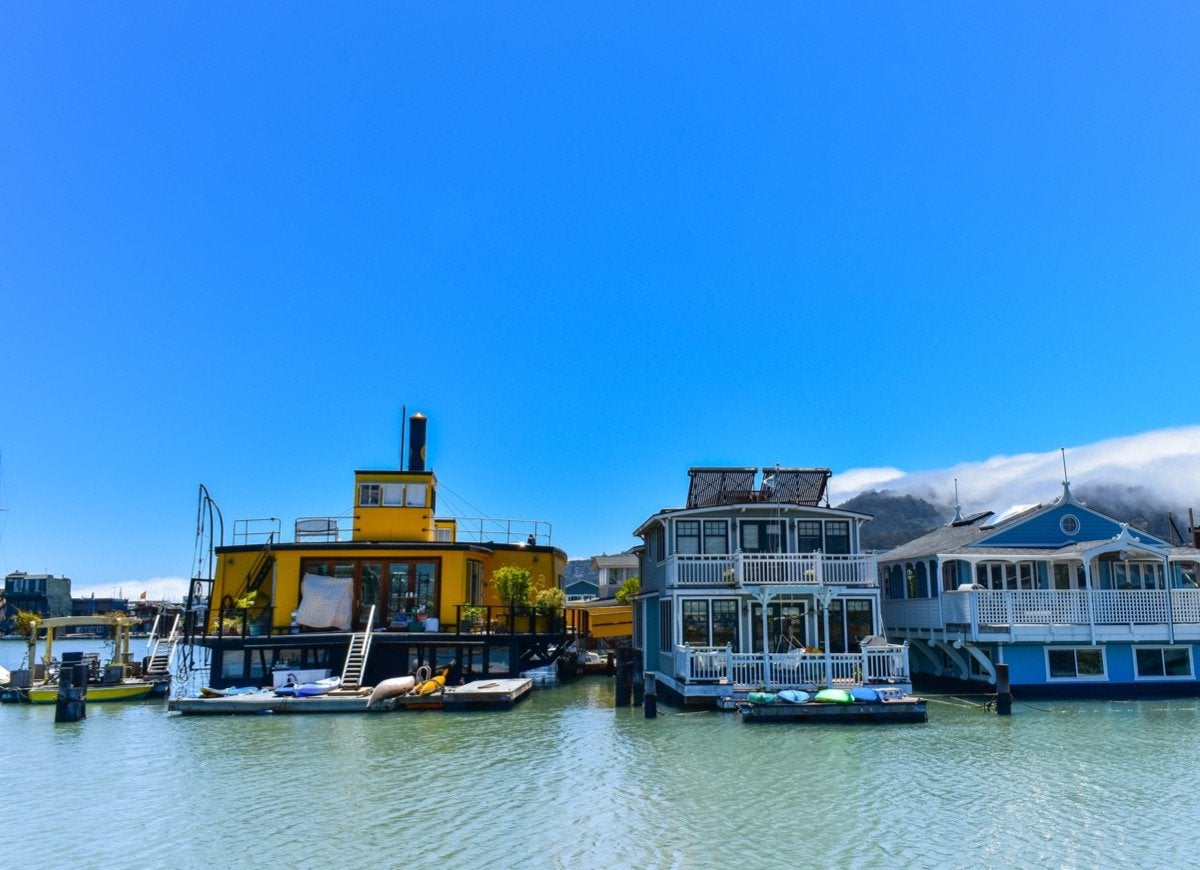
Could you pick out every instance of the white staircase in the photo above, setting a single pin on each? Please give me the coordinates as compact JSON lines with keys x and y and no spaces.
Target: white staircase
{"x":356,"y":656}
{"x":160,"y":650}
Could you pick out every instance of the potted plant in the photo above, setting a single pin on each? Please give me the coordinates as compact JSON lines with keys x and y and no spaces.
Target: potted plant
{"x":513,"y":585}
{"x":472,"y":617}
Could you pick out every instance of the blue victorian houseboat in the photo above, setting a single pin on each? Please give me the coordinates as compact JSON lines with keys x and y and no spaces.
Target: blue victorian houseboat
{"x":757,"y":583}
{"x":1074,"y":602}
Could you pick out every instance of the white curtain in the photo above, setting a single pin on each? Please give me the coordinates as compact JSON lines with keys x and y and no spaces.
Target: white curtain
{"x":325,"y":602}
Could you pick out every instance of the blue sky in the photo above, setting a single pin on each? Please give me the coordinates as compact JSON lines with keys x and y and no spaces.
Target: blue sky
{"x":594,"y":244}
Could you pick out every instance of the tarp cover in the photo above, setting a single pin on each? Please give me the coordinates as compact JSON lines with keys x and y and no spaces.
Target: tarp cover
{"x":325,"y":602}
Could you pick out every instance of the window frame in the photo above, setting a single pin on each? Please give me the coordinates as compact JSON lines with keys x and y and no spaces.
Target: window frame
{"x":1163,"y":650}
{"x":1078,"y":677}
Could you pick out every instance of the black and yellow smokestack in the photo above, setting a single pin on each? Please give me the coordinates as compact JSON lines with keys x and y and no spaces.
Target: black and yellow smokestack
{"x":416,"y":442}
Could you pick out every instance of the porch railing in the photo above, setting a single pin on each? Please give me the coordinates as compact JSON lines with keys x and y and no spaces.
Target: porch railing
{"x":798,"y":669}
{"x":781,"y":569}
{"x":1046,"y":607}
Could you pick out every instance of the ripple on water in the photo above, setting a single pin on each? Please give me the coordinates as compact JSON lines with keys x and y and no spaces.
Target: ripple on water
{"x":564,"y":780}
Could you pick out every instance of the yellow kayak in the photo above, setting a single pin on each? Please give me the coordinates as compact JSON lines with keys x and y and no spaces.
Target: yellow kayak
{"x":433,"y":684}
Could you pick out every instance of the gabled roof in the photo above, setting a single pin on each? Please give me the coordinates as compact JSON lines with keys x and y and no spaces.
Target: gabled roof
{"x":1037,"y":531}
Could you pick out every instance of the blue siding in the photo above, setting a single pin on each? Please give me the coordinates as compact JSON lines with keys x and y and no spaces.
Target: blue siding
{"x":650,"y":654}
{"x":1042,"y":530}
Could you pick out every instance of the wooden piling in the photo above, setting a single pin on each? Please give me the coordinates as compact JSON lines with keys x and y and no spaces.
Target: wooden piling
{"x":1003,"y":691}
{"x":651,"y":696}
{"x":71,"y":703}
{"x":624,"y":689}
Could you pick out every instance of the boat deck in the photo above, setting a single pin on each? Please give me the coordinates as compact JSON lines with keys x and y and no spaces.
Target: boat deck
{"x":499,"y":694}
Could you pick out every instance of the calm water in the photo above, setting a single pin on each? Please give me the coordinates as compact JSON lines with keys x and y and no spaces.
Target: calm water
{"x":564,"y":780}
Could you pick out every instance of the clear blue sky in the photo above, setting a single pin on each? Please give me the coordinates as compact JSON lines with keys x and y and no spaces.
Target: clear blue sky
{"x":595,"y":243}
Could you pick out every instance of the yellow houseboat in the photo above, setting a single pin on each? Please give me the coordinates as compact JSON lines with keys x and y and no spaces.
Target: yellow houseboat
{"x":376,"y":592}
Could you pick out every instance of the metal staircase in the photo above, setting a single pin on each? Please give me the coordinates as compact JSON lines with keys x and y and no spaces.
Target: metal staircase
{"x":356,"y":656}
{"x":160,"y":650}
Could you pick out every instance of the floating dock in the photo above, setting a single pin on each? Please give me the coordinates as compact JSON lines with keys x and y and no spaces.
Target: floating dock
{"x":498,"y":694}
{"x":907,"y":709}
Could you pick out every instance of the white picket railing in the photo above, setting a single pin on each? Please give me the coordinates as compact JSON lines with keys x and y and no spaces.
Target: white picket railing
{"x":1045,"y":607}
{"x":780,"y":569}
{"x":795,"y":669}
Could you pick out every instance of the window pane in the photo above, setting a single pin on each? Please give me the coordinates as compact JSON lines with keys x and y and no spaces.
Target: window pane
{"x":724,"y":623}
{"x":1177,"y":663}
{"x":687,"y":537}
{"x":695,"y":623}
{"x":716,"y":536}
{"x":1062,"y":662}
{"x":368,"y":590}
{"x":415,"y":495}
{"x":837,"y":536}
{"x":1149,"y":662}
{"x":1090,"y":662}
{"x":368,"y":494}
{"x":393,"y":493}
{"x":808,"y":536}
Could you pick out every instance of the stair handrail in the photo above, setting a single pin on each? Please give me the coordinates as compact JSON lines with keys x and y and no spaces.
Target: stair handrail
{"x":363,"y":645}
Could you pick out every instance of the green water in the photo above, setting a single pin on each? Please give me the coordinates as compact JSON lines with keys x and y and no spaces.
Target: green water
{"x":565,"y":780}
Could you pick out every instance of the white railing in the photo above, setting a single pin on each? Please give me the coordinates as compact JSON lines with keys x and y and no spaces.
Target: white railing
{"x":777,"y":569}
{"x":799,"y":669}
{"x":1045,"y":607}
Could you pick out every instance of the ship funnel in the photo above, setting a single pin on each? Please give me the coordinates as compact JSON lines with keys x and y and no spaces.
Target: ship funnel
{"x":416,"y":442}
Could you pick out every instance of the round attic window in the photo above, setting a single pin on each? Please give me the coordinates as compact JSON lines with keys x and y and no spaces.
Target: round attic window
{"x":1069,"y":524}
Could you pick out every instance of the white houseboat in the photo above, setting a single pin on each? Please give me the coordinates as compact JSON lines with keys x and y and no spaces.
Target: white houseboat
{"x":1074,"y":602}
{"x":758,"y":584}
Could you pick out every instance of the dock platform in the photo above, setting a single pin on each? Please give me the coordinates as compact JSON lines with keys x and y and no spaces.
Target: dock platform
{"x":498,"y":694}
{"x":908,"y":709}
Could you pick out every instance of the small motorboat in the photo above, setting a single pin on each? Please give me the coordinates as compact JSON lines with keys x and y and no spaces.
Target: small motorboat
{"x":309,"y":690}
{"x":391,"y":688}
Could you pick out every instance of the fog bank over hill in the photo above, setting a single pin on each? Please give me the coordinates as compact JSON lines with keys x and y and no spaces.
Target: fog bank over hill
{"x":1137,"y":479}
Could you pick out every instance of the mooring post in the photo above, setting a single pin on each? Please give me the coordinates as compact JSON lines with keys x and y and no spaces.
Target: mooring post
{"x":650,"y":691}
{"x":624,"y":690}
{"x":1003,"y":691}
{"x":639,"y":686}
{"x":71,"y":703}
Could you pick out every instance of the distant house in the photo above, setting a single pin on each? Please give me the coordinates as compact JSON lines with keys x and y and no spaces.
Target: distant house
{"x":93,"y":606}
{"x":1069,"y":600}
{"x":43,"y":594}
{"x":614,"y":570}
{"x":579,"y":581}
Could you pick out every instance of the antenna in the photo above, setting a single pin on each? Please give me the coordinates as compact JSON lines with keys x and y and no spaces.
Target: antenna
{"x":1066,"y":496}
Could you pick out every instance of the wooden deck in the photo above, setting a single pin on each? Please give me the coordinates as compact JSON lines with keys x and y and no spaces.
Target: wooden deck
{"x":498,"y":694}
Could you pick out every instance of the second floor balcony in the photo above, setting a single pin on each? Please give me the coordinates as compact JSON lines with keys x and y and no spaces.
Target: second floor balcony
{"x":742,"y":570}
{"x":1050,"y":614}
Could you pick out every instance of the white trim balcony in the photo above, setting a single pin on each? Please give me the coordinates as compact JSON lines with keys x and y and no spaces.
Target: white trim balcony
{"x":741,"y":570}
{"x":884,"y":664}
{"x":1111,"y":613}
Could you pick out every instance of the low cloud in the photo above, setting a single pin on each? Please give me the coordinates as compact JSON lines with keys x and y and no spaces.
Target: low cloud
{"x":1165,"y":462}
{"x":156,"y":589}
